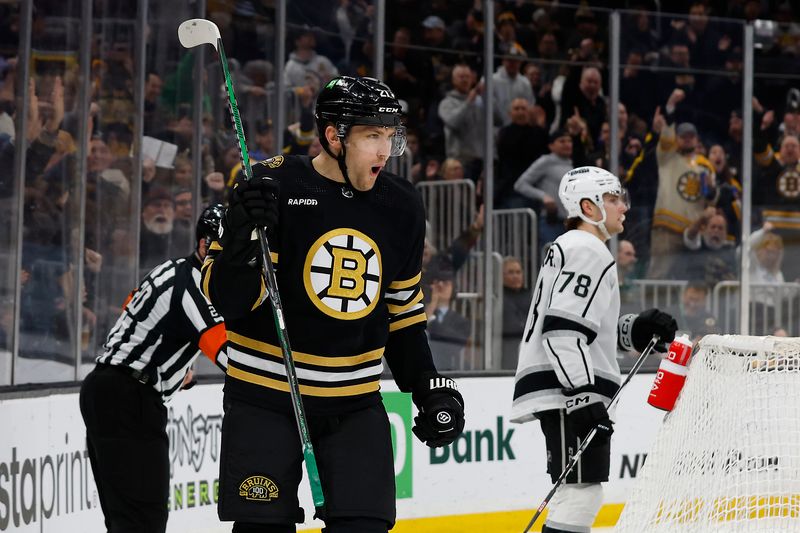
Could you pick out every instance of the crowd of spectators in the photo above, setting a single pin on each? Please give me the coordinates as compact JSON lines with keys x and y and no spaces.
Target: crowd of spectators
{"x":680,"y":130}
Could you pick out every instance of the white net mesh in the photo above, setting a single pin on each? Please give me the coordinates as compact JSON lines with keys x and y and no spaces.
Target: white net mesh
{"x":727,"y":458}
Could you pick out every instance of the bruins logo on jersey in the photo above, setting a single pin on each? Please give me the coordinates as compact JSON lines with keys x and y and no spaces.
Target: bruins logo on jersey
{"x":689,"y":186}
{"x":789,"y":183}
{"x":342,"y":274}
{"x":273,"y":162}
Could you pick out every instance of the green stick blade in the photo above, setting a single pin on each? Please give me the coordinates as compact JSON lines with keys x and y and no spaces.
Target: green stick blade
{"x":313,"y":476}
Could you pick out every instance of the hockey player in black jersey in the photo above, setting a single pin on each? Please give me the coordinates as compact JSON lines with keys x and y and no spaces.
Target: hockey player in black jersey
{"x":147,"y":357}
{"x":346,"y":240}
{"x":567,"y":370}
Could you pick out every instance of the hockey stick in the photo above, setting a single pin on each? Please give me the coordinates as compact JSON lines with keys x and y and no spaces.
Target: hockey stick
{"x":193,"y":33}
{"x":585,"y":444}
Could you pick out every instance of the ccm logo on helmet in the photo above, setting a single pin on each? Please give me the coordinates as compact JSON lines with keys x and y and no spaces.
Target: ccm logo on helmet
{"x":388,"y":110}
{"x":578,"y":171}
{"x":302,"y":201}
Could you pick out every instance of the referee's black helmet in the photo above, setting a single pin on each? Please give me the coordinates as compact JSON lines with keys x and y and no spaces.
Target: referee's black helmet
{"x":209,"y":221}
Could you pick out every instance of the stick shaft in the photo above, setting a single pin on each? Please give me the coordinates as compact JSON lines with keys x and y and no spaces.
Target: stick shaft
{"x":275,"y":300}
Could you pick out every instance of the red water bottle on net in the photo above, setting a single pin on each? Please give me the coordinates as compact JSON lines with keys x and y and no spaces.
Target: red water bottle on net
{"x":671,"y":374}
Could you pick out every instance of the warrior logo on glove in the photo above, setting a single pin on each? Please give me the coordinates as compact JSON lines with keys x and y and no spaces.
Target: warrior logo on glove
{"x":443,"y":417}
{"x":441,"y":411}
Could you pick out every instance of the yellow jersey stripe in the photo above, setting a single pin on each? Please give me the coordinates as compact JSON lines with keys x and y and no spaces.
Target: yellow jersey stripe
{"x":215,"y":246}
{"x":261,"y":294}
{"x":670,"y":214}
{"x":780,"y":214}
{"x":306,"y":390}
{"x":301,"y":357}
{"x":206,"y":273}
{"x":397,"y":309}
{"x":765,"y":157}
{"x":404,"y":284}
{"x":400,"y":324}
{"x":786,"y":225}
{"x":636,"y":162}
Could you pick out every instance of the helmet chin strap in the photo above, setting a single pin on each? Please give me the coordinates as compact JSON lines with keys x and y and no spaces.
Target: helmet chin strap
{"x":601,"y":224}
{"x":343,"y":167}
{"x":340,"y":159}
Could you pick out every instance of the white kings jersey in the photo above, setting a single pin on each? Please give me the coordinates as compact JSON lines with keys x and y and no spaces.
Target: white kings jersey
{"x":570,"y":337}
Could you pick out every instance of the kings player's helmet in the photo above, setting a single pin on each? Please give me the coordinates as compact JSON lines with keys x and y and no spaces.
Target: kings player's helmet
{"x":346,"y":101}
{"x":208,"y":222}
{"x":587,"y":182}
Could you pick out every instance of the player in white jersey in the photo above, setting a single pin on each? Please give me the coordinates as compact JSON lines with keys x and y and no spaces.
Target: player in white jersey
{"x":567,"y":370}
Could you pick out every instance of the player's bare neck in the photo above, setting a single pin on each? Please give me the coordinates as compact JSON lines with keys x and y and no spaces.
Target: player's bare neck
{"x":328,"y":167}
{"x":594,"y":230}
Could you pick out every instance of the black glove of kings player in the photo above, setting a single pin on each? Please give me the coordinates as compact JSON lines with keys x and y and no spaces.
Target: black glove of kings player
{"x":253,"y":204}
{"x":586,"y":411}
{"x":441,"y":410}
{"x":635,"y":331}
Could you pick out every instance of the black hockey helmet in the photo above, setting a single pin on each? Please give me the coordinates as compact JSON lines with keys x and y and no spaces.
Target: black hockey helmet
{"x":345,"y":101}
{"x":209,"y":221}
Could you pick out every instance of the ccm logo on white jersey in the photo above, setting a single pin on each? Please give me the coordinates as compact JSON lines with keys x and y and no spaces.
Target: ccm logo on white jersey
{"x":302,"y":201}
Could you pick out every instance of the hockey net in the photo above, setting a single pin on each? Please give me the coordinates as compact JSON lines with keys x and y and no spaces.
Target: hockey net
{"x":727,"y":458}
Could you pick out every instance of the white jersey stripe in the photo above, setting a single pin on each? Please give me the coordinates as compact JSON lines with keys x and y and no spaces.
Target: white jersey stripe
{"x":244,"y":359}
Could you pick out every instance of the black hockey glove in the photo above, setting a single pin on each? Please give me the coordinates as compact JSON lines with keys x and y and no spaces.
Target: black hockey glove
{"x":586,"y":411}
{"x":441,"y":410}
{"x":253,"y":204}
{"x":635,"y":331}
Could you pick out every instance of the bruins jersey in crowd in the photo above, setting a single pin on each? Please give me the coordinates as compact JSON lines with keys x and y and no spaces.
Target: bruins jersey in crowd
{"x":686,"y":185}
{"x":348,"y":266}
{"x":776,"y":194}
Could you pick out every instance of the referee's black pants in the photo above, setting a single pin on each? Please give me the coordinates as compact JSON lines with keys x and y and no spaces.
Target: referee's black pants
{"x":128,"y":448}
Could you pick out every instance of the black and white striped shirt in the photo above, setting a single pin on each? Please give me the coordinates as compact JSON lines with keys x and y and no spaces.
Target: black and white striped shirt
{"x":165,"y":324}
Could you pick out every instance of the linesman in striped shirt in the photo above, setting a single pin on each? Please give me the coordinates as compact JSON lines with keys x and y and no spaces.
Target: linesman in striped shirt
{"x":147,"y":357}
{"x":346,"y":239}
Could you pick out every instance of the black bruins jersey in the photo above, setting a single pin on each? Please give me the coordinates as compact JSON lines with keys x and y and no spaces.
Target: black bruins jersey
{"x":348,"y":268}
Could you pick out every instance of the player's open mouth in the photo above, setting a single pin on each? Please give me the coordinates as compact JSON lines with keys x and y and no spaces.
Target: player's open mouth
{"x":375,"y":170}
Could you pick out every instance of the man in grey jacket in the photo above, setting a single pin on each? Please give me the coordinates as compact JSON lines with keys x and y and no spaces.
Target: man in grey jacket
{"x":541,"y":180}
{"x":305,"y":61}
{"x":508,"y":84}
{"x":461,"y":110}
